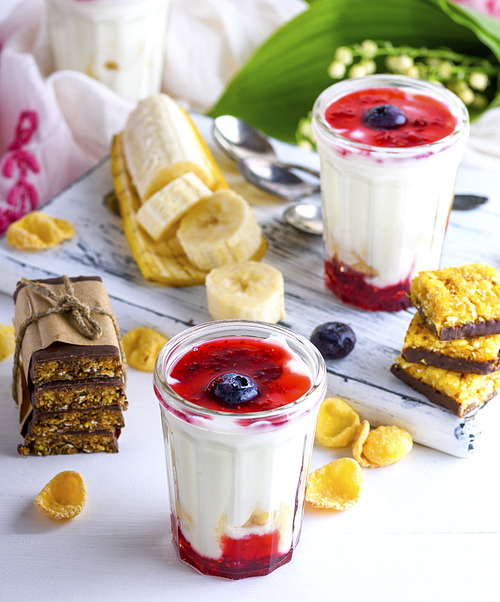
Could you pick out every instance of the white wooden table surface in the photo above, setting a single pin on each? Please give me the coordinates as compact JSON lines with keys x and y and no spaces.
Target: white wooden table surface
{"x":425,"y":528}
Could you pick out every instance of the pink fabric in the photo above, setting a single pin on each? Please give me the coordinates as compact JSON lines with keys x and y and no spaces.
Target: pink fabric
{"x":47,"y":139}
{"x":488,"y":7}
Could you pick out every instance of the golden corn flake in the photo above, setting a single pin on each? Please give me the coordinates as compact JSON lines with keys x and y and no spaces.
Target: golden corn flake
{"x":142,"y":346}
{"x":337,"y":423}
{"x":380,"y":447}
{"x":36,"y":231}
{"x":336,"y":485}
{"x":64,"y":496}
{"x":7,"y":341}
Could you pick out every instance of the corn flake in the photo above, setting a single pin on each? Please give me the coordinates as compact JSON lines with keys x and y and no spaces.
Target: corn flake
{"x":380,"y":447}
{"x":36,"y":231}
{"x":142,"y":346}
{"x":336,"y":485}
{"x":64,"y":496}
{"x":7,"y":341}
{"x":337,"y":423}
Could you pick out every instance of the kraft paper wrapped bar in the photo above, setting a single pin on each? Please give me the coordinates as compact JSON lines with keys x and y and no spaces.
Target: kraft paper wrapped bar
{"x":69,"y":378}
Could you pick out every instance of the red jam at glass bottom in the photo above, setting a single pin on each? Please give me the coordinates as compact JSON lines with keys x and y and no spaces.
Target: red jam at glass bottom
{"x":350,"y":287}
{"x":250,"y":556}
{"x":269,"y":363}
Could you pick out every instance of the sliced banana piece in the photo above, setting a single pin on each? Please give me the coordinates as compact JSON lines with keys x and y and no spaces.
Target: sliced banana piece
{"x":246,"y":290}
{"x":218,"y":230}
{"x":166,"y":207}
{"x":161,"y":145}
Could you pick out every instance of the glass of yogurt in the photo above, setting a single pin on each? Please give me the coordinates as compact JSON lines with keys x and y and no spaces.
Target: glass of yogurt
{"x":121,"y":43}
{"x":389,"y":149}
{"x":238,"y":402}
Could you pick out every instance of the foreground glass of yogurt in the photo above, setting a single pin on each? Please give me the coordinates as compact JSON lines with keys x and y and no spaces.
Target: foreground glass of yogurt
{"x":387,"y":191}
{"x":237,"y":474}
{"x":121,"y":43}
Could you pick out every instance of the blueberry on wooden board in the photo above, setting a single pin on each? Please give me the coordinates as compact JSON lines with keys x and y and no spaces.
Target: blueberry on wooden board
{"x":384,"y":117}
{"x":334,"y":340}
{"x":232,"y":389}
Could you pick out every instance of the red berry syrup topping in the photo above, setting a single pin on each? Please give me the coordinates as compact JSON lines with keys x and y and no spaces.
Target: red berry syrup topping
{"x":267,"y":363}
{"x":427,"y":119}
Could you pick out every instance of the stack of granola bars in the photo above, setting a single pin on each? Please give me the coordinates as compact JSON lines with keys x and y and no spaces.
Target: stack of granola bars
{"x":452,"y":346}
{"x":70,"y":387}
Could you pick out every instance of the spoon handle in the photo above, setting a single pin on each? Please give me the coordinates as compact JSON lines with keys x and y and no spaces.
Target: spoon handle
{"x":313,"y":172}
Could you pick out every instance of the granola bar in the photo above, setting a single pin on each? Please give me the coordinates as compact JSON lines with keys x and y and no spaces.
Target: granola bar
{"x":459,"y":392}
{"x":91,"y":419}
{"x":480,"y":355}
{"x":69,"y":443}
{"x":459,"y":302}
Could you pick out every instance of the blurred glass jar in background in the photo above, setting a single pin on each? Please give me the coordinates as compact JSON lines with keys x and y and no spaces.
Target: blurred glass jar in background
{"x":121,"y":43}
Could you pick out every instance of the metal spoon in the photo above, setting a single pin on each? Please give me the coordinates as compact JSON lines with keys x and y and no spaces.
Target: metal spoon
{"x":306,"y":217}
{"x":275,"y":178}
{"x":240,"y":140}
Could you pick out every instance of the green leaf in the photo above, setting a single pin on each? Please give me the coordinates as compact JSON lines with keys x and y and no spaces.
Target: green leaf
{"x":281,"y":81}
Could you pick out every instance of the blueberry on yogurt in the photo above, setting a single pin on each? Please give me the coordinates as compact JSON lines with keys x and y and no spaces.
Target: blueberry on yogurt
{"x":334,"y":340}
{"x":384,"y":117}
{"x":232,"y":389}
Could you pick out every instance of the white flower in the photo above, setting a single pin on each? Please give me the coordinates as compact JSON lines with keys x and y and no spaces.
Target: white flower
{"x":369,"y":48}
{"x":399,"y":64}
{"x":369,"y":66}
{"x":336,"y":70}
{"x":478,"y":81}
{"x":343,"y":55}
{"x":445,"y":69}
{"x":357,"y":71}
{"x":305,"y":129}
{"x":305,"y":144}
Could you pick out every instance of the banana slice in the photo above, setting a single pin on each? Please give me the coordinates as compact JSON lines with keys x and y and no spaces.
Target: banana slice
{"x":166,"y":207}
{"x":160,"y":146}
{"x":220,"y":229}
{"x":246,"y":290}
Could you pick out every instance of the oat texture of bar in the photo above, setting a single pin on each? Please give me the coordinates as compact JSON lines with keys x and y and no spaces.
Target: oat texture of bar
{"x":479,"y":355}
{"x":459,"y":302}
{"x":65,"y":395}
{"x":89,"y":419}
{"x":459,"y":392}
{"x":69,"y":443}
{"x":69,"y":378}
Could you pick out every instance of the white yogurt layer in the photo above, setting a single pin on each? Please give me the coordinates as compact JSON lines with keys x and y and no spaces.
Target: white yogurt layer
{"x":121,"y":43}
{"x":225,"y":483}
{"x":386,"y":209}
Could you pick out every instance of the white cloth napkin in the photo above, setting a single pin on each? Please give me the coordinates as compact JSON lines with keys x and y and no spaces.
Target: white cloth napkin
{"x":49,"y":136}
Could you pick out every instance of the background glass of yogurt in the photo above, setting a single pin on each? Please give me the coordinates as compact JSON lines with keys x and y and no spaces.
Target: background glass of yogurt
{"x":385,"y":209}
{"x":121,"y":43}
{"x":237,"y":480}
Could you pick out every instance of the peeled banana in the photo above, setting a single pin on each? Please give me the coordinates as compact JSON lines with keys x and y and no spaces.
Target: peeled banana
{"x":162,"y":210}
{"x":246,"y":290}
{"x":220,"y":229}
{"x":159,"y":146}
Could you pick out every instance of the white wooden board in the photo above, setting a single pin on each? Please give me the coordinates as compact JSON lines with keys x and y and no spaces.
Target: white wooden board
{"x":363,"y":378}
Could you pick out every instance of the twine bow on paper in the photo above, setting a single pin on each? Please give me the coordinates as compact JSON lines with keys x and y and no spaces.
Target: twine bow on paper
{"x":66,"y":303}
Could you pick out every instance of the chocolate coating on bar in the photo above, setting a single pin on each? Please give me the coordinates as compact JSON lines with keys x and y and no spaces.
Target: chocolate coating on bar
{"x":446,"y":362}
{"x":79,"y":358}
{"x":436,"y":396}
{"x":464,"y":331}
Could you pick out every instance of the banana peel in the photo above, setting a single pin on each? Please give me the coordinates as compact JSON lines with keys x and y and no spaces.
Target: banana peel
{"x":163,"y":261}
